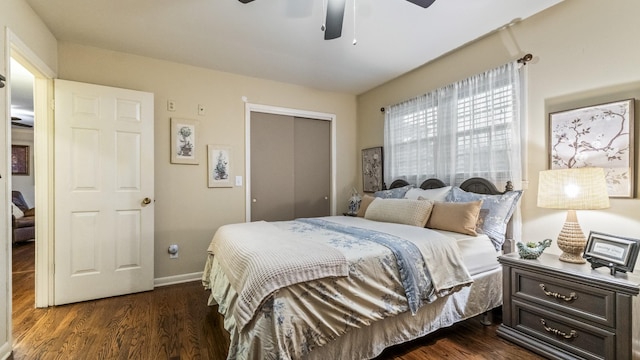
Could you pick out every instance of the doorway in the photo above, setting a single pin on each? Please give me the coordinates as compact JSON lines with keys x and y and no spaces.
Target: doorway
{"x":22,"y":186}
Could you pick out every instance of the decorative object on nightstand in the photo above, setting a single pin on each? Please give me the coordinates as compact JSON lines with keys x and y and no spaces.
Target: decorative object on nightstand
{"x":573,"y":189}
{"x":615,"y":252}
{"x":532,"y":250}
{"x":354,"y":202}
{"x":563,"y":310}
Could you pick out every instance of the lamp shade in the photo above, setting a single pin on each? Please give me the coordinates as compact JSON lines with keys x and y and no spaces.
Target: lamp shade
{"x":573,"y":189}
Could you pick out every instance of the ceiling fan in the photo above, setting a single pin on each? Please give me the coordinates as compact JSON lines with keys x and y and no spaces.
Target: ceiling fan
{"x":335,"y":14}
{"x":15,"y":121}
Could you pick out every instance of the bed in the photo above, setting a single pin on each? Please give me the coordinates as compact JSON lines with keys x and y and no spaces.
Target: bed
{"x":374,"y":283}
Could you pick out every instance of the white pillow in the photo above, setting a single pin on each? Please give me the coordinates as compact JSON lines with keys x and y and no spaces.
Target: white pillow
{"x":16,"y":211}
{"x":439,"y":194}
{"x":400,"y":211}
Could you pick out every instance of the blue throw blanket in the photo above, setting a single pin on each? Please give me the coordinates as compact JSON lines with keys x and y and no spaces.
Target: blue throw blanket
{"x":411,"y":266}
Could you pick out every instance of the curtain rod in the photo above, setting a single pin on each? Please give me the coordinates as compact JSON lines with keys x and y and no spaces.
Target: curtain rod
{"x":523,"y":60}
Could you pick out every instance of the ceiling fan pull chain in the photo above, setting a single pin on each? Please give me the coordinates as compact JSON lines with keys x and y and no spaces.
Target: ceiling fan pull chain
{"x":355,"y":41}
{"x":324,"y":14}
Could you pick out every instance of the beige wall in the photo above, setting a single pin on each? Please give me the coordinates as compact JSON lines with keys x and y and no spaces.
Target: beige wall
{"x":585,"y":52}
{"x":187,"y":211}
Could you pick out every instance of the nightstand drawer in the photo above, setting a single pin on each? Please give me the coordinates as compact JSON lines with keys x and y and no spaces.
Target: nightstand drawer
{"x":578,"y":338}
{"x":579,"y":300}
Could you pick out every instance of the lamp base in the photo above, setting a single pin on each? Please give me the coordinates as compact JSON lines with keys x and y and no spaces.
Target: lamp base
{"x":571,"y":240}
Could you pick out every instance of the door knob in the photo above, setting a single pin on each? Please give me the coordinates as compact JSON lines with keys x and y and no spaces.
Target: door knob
{"x":254,"y":200}
{"x":146,"y":201}
{"x":326,"y":198}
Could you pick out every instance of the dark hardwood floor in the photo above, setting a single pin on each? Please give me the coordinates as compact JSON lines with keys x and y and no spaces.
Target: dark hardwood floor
{"x":174,"y":322}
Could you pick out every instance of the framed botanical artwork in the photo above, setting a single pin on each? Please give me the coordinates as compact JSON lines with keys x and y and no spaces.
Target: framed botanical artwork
{"x":219,"y":166}
{"x":184,"y":138}
{"x":19,"y":160}
{"x":615,"y":252}
{"x":596,"y":136}
{"x":372,"y":169}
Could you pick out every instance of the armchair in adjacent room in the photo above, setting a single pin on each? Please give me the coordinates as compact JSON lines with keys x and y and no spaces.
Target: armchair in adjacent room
{"x":24,"y":227}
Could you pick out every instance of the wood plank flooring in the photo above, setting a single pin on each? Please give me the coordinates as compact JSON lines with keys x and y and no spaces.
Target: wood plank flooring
{"x":174,"y":323}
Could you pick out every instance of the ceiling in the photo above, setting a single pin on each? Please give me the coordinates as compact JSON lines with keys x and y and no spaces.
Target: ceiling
{"x":281,"y":40}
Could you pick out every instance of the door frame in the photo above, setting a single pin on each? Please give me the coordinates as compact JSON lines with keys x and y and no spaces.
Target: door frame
{"x":249,"y":107}
{"x":43,"y":162}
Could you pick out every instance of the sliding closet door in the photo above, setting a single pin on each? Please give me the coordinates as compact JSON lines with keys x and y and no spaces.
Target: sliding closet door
{"x":290,"y":167}
{"x":272,"y":172}
{"x":312,"y":167}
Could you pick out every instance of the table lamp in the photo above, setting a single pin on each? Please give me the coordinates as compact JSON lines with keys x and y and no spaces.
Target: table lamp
{"x":571,"y":190}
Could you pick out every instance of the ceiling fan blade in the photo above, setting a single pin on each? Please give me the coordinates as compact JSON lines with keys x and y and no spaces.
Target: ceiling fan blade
{"x":245,"y":1}
{"x":21,"y":125}
{"x":335,"y":15}
{"x":423,"y":3}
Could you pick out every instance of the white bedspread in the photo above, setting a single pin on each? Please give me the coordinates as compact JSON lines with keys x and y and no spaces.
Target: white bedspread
{"x":294,"y":320}
{"x":258,"y":258}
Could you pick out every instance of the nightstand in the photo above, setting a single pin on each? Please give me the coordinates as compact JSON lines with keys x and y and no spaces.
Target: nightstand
{"x":568,"y":311}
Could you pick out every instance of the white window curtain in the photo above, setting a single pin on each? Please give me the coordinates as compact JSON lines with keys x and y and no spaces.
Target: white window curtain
{"x":470,"y":128}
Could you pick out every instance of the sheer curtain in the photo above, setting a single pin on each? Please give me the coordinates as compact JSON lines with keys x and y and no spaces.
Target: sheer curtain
{"x":470,"y":128}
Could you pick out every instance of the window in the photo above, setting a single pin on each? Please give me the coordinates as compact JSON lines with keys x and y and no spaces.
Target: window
{"x":466,"y":129}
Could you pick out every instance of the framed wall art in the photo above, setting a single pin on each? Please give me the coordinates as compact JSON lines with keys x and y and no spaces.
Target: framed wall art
{"x":596,"y":136}
{"x":219,"y":166}
{"x":372,"y":169}
{"x":19,"y":160}
{"x":184,"y":141}
{"x":615,"y":252}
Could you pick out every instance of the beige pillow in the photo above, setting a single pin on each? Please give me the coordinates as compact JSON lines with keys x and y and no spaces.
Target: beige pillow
{"x":364,"y":204}
{"x":460,"y":217}
{"x":400,"y":211}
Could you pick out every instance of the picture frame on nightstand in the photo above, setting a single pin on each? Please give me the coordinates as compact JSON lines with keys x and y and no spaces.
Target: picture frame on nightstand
{"x":615,"y":252}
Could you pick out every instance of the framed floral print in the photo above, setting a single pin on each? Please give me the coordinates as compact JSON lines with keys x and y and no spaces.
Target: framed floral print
{"x":219,"y":166}
{"x":184,"y":138}
{"x":596,"y":136}
{"x":372,"y":169}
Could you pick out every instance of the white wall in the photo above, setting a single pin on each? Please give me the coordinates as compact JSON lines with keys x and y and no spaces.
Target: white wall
{"x":585,"y":52}
{"x":18,"y":17}
{"x":187,"y":211}
{"x":24,"y":183}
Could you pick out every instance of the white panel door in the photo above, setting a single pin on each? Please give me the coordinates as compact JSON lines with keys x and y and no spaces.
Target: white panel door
{"x":103,"y":191}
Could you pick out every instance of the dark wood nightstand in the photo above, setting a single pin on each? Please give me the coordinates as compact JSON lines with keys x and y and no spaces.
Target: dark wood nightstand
{"x":568,"y":311}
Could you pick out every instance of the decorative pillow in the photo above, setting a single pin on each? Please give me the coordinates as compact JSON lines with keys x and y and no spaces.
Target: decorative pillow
{"x":439,"y":194}
{"x":364,"y":204}
{"x":400,"y":211}
{"x":30,"y":212}
{"x":500,"y":208}
{"x":397,"y":193}
{"x":16,"y":211}
{"x":458,"y":217}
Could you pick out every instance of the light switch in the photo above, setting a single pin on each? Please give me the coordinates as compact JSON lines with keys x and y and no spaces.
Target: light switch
{"x":238,"y":180}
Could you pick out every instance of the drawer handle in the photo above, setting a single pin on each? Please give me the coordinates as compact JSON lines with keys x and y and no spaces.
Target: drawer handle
{"x":572,"y":296}
{"x":572,"y":335}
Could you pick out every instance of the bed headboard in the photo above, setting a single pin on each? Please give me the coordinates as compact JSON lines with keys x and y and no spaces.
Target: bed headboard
{"x":476,"y":185}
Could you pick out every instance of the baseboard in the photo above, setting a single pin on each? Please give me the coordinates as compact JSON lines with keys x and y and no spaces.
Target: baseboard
{"x":177,"y":279}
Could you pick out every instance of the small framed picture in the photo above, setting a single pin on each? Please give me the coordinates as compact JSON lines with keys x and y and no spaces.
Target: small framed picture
{"x":615,"y":252}
{"x":184,"y":141}
{"x":219,"y":168}
{"x":20,"y":160}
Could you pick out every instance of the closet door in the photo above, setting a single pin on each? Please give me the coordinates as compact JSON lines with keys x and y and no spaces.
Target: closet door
{"x":312,"y":167}
{"x":290,"y":167}
{"x":272,"y":172}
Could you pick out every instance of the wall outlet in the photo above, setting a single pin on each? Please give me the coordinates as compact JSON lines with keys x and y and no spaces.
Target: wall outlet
{"x":171,"y":105}
{"x":173,"y":251}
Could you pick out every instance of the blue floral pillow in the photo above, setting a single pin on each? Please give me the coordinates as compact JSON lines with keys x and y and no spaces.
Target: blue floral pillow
{"x":495,"y":212}
{"x":397,"y":193}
